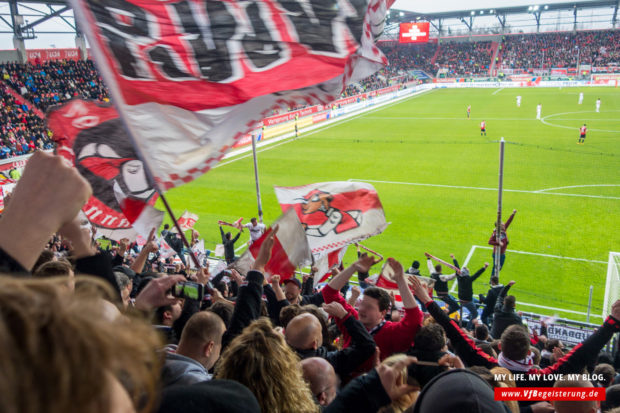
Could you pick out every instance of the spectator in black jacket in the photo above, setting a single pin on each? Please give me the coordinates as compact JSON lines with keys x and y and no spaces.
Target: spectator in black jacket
{"x":304,"y":334}
{"x":504,"y":314}
{"x":229,"y":245}
{"x":490,"y":300}
{"x":292,"y":291}
{"x":466,"y":292}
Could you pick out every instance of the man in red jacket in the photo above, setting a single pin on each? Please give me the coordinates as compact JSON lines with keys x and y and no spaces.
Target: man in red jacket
{"x":503,"y":242}
{"x":389,"y":336}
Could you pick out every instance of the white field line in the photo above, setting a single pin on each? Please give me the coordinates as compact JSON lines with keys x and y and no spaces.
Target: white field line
{"x":443,"y":118}
{"x":497,"y":91}
{"x":241,"y":246}
{"x":467,"y":258}
{"x":484,"y":189}
{"x":315,"y":128}
{"x":544,"y":121}
{"x":544,"y":255}
{"x":473,"y":248}
{"x":575,"y":186}
{"x":557,"y":309}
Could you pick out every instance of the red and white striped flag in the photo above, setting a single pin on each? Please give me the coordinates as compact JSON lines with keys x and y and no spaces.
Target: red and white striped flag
{"x":334,"y":214}
{"x":191,"y":78}
{"x":290,"y":249}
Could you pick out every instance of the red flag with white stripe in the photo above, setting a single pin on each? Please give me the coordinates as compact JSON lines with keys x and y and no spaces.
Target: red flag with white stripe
{"x":335,"y":214}
{"x":290,"y":249}
{"x":191,"y":78}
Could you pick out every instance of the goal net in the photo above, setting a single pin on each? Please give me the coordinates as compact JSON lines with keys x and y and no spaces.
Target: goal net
{"x":612,"y":286}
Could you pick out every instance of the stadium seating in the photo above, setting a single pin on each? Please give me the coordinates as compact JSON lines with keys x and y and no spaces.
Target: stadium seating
{"x":55,"y":81}
{"x":547,"y":50}
{"x":463,"y":58}
{"x":22,"y":130}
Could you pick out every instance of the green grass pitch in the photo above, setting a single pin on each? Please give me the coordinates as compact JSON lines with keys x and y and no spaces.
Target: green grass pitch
{"x":428,"y":140}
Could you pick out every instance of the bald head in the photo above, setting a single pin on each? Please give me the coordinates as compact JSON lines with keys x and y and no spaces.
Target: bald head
{"x":586,"y":406}
{"x":201,"y":338}
{"x":321,"y":377}
{"x":304,"y":332}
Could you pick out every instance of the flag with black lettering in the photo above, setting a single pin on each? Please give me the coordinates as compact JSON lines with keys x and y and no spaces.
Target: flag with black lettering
{"x":90,"y":136}
{"x":191,"y":78}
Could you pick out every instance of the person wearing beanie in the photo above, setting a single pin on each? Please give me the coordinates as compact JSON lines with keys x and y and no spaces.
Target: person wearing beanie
{"x":458,"y":391}
{"x":415,"y":268}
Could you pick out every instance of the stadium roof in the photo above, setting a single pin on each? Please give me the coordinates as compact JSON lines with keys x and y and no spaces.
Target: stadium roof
{"x":442,"y":6}
{"x":513,"y":7}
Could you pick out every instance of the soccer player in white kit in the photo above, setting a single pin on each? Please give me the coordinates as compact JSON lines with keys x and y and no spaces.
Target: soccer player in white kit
{"x":538,"y":111}
{"x":598,"y":105}
{"x":581,"y":98}
{"x":518,"y":101}
{"x":256,"y":230}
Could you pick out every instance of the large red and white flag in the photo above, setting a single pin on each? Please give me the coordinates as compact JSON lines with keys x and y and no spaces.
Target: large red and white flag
{"x":187,"y":220}
{"x":191,"y":77}
{"x":90,"y":135}
{"x":290,"y":249}
{"x":334,"y":214}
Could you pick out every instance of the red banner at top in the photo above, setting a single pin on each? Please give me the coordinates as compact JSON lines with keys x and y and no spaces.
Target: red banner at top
{"x":414,"y":32}
{"x":44,"y":55}
{"x":253,"y":49}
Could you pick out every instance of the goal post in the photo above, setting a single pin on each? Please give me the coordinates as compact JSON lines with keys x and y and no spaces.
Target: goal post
{"x":612,"y":285}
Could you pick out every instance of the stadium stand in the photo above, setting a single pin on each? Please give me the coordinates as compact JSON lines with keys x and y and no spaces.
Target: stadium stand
{"x":43,"y":84}
{"x":22,"y":130}
{"x":55,"y":82}
{"x":546,"y":50}
{"x":464,"y":58}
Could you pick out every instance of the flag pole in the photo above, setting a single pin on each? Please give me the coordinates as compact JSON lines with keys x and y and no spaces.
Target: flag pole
{"x":116,"y":96}
{"x":178,"y":227}
{"x":498,"y":225}
{"x":260,"y":205}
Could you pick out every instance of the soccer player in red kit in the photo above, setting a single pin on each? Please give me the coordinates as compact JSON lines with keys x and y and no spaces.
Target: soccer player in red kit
{"x":582,"y":134}
{"x":483,"y":128}
{"x":468,"y":111}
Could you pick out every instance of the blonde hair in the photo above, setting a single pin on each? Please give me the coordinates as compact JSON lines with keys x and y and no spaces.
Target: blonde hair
{"x":260,"y":359}
{"x":406,"y":401}
{"x":508,"y":381}
{"x":60,"y":351}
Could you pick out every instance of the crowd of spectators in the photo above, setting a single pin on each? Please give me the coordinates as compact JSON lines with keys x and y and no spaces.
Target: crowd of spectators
{"x":117,"y":341}
{"x":55,"y":81}
{"x":22,"y":130}
{"x":465,"y":58}
{"x":406,"y":57}
{"x":562,"y":50}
